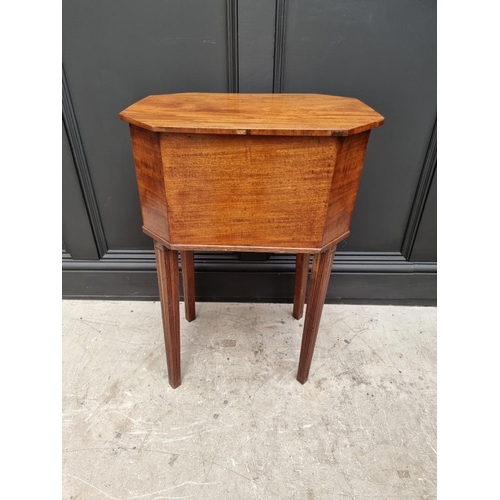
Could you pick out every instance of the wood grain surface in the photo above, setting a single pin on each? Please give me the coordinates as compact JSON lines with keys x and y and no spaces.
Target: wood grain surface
{"x":247,"y":191}
{"x":320,"y":277}
{"x":149,"y":173}
{"x":168,"y":283}
{"x":344,"y":189}
{"x":255,"y":114}
{"x":188,"y":285}
{"x":299,"y":294}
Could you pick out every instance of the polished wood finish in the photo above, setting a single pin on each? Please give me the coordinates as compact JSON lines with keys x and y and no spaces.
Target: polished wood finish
{"x":344,"y":189}
{"x":149,"y":172}
{"x":253,"y":114}
{"x":168,"y":283}
{"x":252,"y":173}
{"x":320,"y":276}
{"x":299,"y":295}
{"x":187,"y":262}
{"x":247,"y":191}
{"x":202,"y":189}
{"x":248,"y":248}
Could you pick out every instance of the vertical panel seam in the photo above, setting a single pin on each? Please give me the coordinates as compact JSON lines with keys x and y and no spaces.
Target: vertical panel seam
{"x":232,"y":46}
{"x":424,"y":184}
{"x":279,"y":46}
{"x":82,"y":168}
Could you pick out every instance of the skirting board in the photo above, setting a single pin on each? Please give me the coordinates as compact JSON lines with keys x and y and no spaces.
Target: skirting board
{"x":369,"y":288}
{"x":363,"y":277}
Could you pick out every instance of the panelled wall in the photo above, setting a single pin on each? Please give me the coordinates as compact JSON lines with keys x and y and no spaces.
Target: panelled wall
{"x":116,"y":52}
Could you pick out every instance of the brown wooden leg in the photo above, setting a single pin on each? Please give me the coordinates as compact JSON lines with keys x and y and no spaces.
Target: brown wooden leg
{"x":299,"y":295}
{"x":320,"y":276}
{"x":187,"y":262}
{"x":168,"y":282}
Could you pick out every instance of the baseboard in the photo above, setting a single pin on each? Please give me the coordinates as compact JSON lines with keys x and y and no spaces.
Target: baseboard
{"x":382,"y":278}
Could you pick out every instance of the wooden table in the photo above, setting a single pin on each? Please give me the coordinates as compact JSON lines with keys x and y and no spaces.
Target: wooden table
{"x":247,"y":172}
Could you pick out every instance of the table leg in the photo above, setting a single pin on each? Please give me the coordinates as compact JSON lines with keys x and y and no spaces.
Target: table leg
{"x":168,"y":282}
{"x":320,"y":276}
{"x":187,"y":262}
{"x":299,"y":296}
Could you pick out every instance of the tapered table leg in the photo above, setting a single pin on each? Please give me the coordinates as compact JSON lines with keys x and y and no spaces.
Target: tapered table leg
{"x":168,"y":282}
{"x":320,"y":276}
{"x":299,"y":295}
{"x":187,"y":262}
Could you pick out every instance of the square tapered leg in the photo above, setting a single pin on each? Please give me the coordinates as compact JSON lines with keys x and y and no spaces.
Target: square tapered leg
{"x":320,"y":276}
{"x":187,"y":262}
{"x":168,"y":283}
{"x":299,"y":295}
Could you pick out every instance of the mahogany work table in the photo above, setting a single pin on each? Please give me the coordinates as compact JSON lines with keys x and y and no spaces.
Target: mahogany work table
{"x":247,"y":172}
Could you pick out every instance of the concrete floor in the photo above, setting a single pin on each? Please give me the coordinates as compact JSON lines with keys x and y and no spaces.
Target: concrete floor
{"x":240,"y":426}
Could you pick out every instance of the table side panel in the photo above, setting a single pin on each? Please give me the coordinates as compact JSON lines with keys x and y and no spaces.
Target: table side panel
{"x":345,"y":184}
{"x":250,"y":191}
{"x":149,"y":173}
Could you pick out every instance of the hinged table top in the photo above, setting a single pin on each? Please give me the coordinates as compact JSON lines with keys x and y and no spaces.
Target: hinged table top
{"x":254,"y":114}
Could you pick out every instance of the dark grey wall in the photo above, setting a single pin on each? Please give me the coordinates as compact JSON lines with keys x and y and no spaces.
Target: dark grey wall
{"x":78,"y":238}
{"x":425,"y":247}
{"x":117,"y":51}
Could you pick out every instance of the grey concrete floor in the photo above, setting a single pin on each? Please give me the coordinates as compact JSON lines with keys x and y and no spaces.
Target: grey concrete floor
{"x":240,"y":426}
